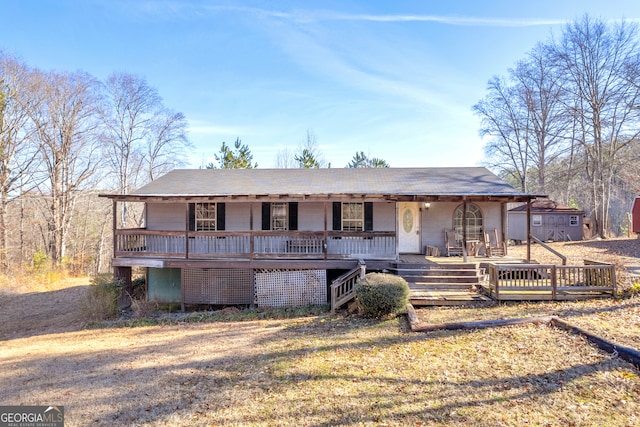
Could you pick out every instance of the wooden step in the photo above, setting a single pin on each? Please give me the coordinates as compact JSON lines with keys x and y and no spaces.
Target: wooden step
{"x":440,"y":298}
{"x":436,"y":273}
{"x":440,"y":279}
{"x":442,"y":284}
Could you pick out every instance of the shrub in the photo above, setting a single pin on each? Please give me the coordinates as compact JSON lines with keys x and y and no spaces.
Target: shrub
{"x":380,"y":295}
{"x":101,"y":300}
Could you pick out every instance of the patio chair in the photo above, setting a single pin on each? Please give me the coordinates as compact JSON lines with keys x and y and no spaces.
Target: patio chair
{"x":494,"y":247}
{"x":451,"y":243}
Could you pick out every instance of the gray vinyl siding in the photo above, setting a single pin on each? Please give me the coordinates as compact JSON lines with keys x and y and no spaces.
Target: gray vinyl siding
{"x":166,"y":216}
{"x":311,"y":216}
{"x":237,"y":216}
{"x":384,"y":216}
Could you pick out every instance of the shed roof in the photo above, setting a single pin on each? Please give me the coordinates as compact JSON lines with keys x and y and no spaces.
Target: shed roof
{"x":546,"y":205}
{"x":364,"y":182}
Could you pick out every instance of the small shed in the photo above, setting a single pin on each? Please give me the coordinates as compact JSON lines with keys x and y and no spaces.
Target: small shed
{"x":550,"y":221}
{"x":635,"y":215}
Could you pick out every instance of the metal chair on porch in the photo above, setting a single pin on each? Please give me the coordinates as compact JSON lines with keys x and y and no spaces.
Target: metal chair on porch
{"x":452,"y":244}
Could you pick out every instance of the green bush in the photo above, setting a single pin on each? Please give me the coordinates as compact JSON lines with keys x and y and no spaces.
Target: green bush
{"x":380,"y":295}
{"x":101,"y":300}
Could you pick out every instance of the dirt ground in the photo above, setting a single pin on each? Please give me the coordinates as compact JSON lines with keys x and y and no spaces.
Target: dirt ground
{"x":194,"y":373}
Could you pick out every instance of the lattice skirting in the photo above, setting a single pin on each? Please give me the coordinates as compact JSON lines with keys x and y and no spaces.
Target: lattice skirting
{"x":282,"y":288}
{"x":217,"y":286}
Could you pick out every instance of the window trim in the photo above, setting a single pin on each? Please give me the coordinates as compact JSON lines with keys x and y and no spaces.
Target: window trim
{"x":475,"y":221}
{"x":276,"y":217}
{"x":536,"y":220}
{"x":211,"y":218}
{"x":574,"y":221}
{"x":358,"y":223}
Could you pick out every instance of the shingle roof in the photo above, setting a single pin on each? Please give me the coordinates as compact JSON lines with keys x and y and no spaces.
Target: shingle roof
{"x":353,"y":181}
{"x":546,"y":206}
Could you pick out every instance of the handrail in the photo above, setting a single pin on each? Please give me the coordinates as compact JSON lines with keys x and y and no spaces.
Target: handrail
{"x":549,"y":248}
{"x":343,"y":288}
{"x":594,"y":276}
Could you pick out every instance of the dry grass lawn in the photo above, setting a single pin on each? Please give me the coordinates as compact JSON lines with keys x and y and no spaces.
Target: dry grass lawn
{"x":319,"y":370}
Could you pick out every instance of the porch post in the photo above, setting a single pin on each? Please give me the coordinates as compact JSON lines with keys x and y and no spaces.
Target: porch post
{"x":186,"y":232}
{"x":115,"y":226}
{"x":123,"y":275}
{"x":504,"y":219}
{"x":251,"y":235}
{"x":529,"y":230}
{"x":464,"y":229}
{"x":325,"y":248}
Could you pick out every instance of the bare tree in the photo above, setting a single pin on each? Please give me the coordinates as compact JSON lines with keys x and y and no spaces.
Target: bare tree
{"x":167,"y":144}
{"x":285,"y":159}
{"x":65,"y":125}
{"x":541,"y":92}
{"x":17,"y":150}
{"x":601,"y":66}
{"x":506,"y":120}
{"x":139,"y":133}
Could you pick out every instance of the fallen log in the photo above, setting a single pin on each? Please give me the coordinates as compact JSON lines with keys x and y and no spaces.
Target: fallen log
{"x":480,"y":324}
{"x":629,"y":354}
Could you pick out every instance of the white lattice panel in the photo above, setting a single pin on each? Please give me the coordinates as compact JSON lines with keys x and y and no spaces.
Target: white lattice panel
{"x":283,"y":288}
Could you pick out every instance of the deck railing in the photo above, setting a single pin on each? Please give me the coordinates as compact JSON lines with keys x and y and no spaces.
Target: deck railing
{"x":254,"y":244}
{"x":551,"y":282}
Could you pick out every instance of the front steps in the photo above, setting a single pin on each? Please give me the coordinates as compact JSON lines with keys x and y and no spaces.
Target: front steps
{"x":442,"y":284}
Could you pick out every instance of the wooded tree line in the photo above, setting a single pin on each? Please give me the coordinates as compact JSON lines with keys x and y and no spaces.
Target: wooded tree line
{"x":65,"y":137}
{"x":565,"y":120}
{"x":62,"y":136}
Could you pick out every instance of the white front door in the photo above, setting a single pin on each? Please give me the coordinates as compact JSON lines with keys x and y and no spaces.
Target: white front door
{"x":409,"y":227}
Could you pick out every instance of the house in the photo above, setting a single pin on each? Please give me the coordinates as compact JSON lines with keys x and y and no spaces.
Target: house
{"x":277,"y":237}
{"x":549,"y":221}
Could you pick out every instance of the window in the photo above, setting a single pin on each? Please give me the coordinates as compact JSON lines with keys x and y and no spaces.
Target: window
{"x":536,"y":220}
{"x":475,"y":223}
{"x":352,"y":217}
{"x":279,"y":216}
{"x":573,"y":220}
{"x":206,"y":216}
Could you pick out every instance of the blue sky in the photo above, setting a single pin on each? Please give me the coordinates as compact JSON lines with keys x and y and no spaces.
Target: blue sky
{"x":395,"y":79}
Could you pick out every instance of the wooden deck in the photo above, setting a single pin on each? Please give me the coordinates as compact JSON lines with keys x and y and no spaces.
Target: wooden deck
{"x":440,"y":281}
{"x":451,"y":281}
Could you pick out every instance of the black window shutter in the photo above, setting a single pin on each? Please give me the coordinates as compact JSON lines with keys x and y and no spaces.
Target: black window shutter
{"x":368,"y":216}
{"x":192,"y":217}
{"x":220,"y":216}
{"x":293,"y":215}
{"x":266,"y":216}
{"x":337,"y":216}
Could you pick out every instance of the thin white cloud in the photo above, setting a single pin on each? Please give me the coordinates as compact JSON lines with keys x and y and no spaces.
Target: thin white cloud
{"x":450,"y":20}
{"x":167,"y":8}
